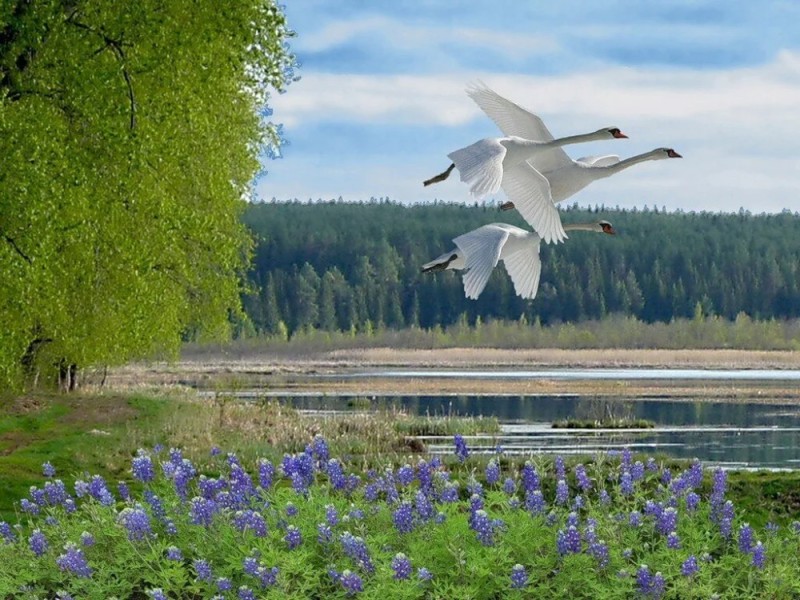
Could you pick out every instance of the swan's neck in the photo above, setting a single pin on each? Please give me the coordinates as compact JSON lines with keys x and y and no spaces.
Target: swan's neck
{"x":624,"y":164}
{"x":581,"y":227}
{"x":572,"y":139}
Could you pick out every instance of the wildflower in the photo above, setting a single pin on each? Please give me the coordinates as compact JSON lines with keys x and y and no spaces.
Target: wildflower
{"x":37,"y":542}
{"x":635,"y":518}
{"x":559,"y":467}
{"x":124,"y":491}
{"x":637,"y":471}
{"x":450,"y":492}
{"x":142,"y":467}
{"x":519,"y":577}
{"x":651,"y":464}
{"x":673,"y":541}
{"x":319,"y":448}
{"x":627,"y":553}
{"x":562,"y":492}
{"x":401,"y":566}
{"x":745,"y":538}
{"x":50,"y":520}
{"x":666,"y":476}
{"x":203,"y":569}
{"x":7,"y":533}
{"x":74,"y":561}
{"x":474,"y":488}
{"x":357,"y":550}
{"x":796,"y":527}
{"x":492,"y":472}
{"x":245,"y":593}
{"x":423,"y":574}
{"x":55,"y":492}
{"x":605,"y":499}
{"x":403,"y":518}
{"x":215,"y":451}
{"x":81,"y":488}
{"x":759,"y":556}
{"x":250,"y":520}
{"x":644,"y":580}
{"x":291,"y":509}
{"x":324,"y":534}
{"x":692,"y":501}
{"x":771,"y":528}
{"x":157,"y":594}
{"x":87,"y":539}
{"x":48,"y":470}
{"x":689,"y":567}
{"x":483,"y":528}
{"x":224,"y":584}
{"x":174,"y":553}
{"x":462,"y":452}
{"x":583,"y":479}
{"x":726,"y":519}
{"x":201,"y":511}
{"x":356,"y":514}
{"x":266,"y":471}
{"x":529,"y":477}
{"x":267,"y":577}
{"x":250,"y":565}
{"x":405,"y":475}
{"x":351,"y":582}
{"x":293,"y":538}
{"x":425,"y":508}
{"x":626,"y":483}
{"x":336,"y":474}
{"x":667,"y":521}
{"x":331,"y":515}
{"x":509,"y":487}
{"x":136,"y":521}
{"x":534,"y":502}
{"x":29,"y":507}
{"x":569,"y":541}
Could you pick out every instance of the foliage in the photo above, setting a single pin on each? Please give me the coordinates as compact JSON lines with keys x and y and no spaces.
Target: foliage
{"x":359,"y":262}
{"x":315,"y":526}
{"x":129,"y":134}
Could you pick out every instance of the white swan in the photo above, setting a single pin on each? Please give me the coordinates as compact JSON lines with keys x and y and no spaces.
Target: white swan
{"x":492,"y":163}
{"x":563,"y":175}
{"x":479,"y":251}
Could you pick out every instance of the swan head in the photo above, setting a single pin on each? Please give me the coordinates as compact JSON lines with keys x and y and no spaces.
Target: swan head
{"x":606,"y":227}
{"x":609,"y":133}
{"x":667,"y":153}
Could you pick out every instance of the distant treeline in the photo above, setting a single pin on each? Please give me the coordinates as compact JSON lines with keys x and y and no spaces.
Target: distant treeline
{"x":354,"y":267}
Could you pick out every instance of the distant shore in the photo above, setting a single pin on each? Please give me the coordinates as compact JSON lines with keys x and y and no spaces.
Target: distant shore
{"x":278,"y":373}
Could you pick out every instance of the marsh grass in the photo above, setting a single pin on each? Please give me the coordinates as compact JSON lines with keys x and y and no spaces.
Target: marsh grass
{"x":603,"y":424}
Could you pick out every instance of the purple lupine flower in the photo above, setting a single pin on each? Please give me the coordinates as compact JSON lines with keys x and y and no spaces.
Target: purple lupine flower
{"x":450,"y":492}
{"x":266,"y":472}
{"x":771,"y":528}
{"x":424,"y":507}
{"x":293,"y":538}
{"x":250,"y":520}
{"x":324,"y":534}
{"x":357,"y":550}
{"x":673,"y":541}
{"x":561,"y":472}
{"x":666,"y":476}
{"x":267,"y":577}
{"x":331,"y":515}
{"x":726,"y":519}
{"x":462,"y":452}
{"x":351,"y":582}
{"x":695,"y":474}
{"x":796,"y":527}
{"x":223,"y":584}
{"x":626,"y":483}
{"x":29,"y":507}
{"x":245,"y":593}
{"x":605,"y":499}
{"x":745,"y":538}
{"x":240,"y":484}
{"x":99,"y":491}
{"x":38,"y":496}
{"x":635,"y":518}
{"x":474,"y":488}
{"x":637,"y":471}
{"x":203,"y":570}
{"x":483,"y":527}
{"x":657,"y":589}
{"x":142,"y":467}
{"x":55,"y":492}
{"x":599,"y":550}
{"x":81,"y":488}
{"x":627,"y":553}
{"x":717,"y":499}
{"x":519,"y":577}
{"x":156,"y":594}
{"x":644,"y":580}
{"x":569,"y":541}
{"x":319,"y":449}
{"x":401,"y":566}
{"x":48,"y":470}
{"x":136,"y":522}
{"x":667,"y":521}
{"x":174,"y":553}
{"x":509,"y":487}
{"x":403,"y":518}
{"x":759,"y":556}
{"x":37,"y":542}
{"x":405,"y":475}
{"x":583,"y":479}
{"x":156,"y":505}
{"x":562,"y":492}
{"x":356,"y":514}
{"x":50,"y":520}
{"x":651,"y":464}
{"x":74,"y":561}
{"x":250,"y":565}
{"x":492,"y":472}
{"x":70,"y":506}
{"x":689,"y":567}
{"x":7,"y":533}
{"x":424,"y":574}
{"x":87,"y":539}
{"x":291,"y":509}
{"x":692,"y":501}
{"x":201,"y":511}
{"x":529,"y":477}
{"x":534,"y":502}
{"x":215,"y":451}
{"x":124,"y":490}
{"x":336,"y":474}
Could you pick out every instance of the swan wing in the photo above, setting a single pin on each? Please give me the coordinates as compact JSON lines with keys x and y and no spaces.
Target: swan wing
{"x":512,"y":119}
{"x":529,"y":190}
{"x":598,"y":161}
{"x":481,"y":248}
{"x":480,"y":166}
{"x":525,"y":267}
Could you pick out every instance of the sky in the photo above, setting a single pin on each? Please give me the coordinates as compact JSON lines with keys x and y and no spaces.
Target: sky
{"x":381,"y":99}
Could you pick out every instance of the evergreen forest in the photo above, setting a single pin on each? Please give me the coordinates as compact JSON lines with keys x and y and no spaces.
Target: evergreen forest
{"x":340,"y":266}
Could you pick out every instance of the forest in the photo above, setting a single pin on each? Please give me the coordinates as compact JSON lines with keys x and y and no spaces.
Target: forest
{"x":341,"y":266}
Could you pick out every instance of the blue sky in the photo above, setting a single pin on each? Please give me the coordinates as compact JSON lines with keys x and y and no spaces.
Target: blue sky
{"x":381,"y":101}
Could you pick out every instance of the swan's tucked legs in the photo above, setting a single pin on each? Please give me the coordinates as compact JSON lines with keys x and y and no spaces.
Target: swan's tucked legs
{"x":440,"y":266}
{"x":507,"y":206}
{"x":440,"y":177}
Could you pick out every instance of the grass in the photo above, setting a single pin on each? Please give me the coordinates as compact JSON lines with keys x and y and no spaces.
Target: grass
{"x":604,"y":424}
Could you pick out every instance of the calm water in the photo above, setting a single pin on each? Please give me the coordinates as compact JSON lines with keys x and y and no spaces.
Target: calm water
{"x":737,"y":435}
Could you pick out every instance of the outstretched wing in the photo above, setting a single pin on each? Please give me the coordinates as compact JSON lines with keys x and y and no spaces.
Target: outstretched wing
{"x":480,"y":166}
{"x":481,"y":248}
{"x":529,"y":190}
{"x":512,"y":119}
{"x":525,"y":267}
{"x":598,"y":161}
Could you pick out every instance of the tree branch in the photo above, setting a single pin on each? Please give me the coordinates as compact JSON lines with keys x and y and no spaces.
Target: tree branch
{"x":16,"y":248}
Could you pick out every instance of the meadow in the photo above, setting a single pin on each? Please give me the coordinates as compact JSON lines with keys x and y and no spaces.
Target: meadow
{"x":186,"y":498}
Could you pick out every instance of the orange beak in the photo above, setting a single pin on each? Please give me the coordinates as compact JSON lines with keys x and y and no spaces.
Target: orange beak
{"x":619,"y":135}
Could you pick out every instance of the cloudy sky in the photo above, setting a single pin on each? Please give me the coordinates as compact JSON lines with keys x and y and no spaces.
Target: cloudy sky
{"x":381,"y":101}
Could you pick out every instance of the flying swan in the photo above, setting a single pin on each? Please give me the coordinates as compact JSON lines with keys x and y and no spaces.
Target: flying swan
{"x":492,"y":163}
{"x":562,"y":176}
{"x":479,"y":251}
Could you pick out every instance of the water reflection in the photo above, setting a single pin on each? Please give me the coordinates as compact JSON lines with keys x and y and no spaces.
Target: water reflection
{"x":732,"y":434}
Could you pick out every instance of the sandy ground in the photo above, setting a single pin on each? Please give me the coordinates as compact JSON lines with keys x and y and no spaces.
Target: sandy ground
{"x":280,"y":374}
